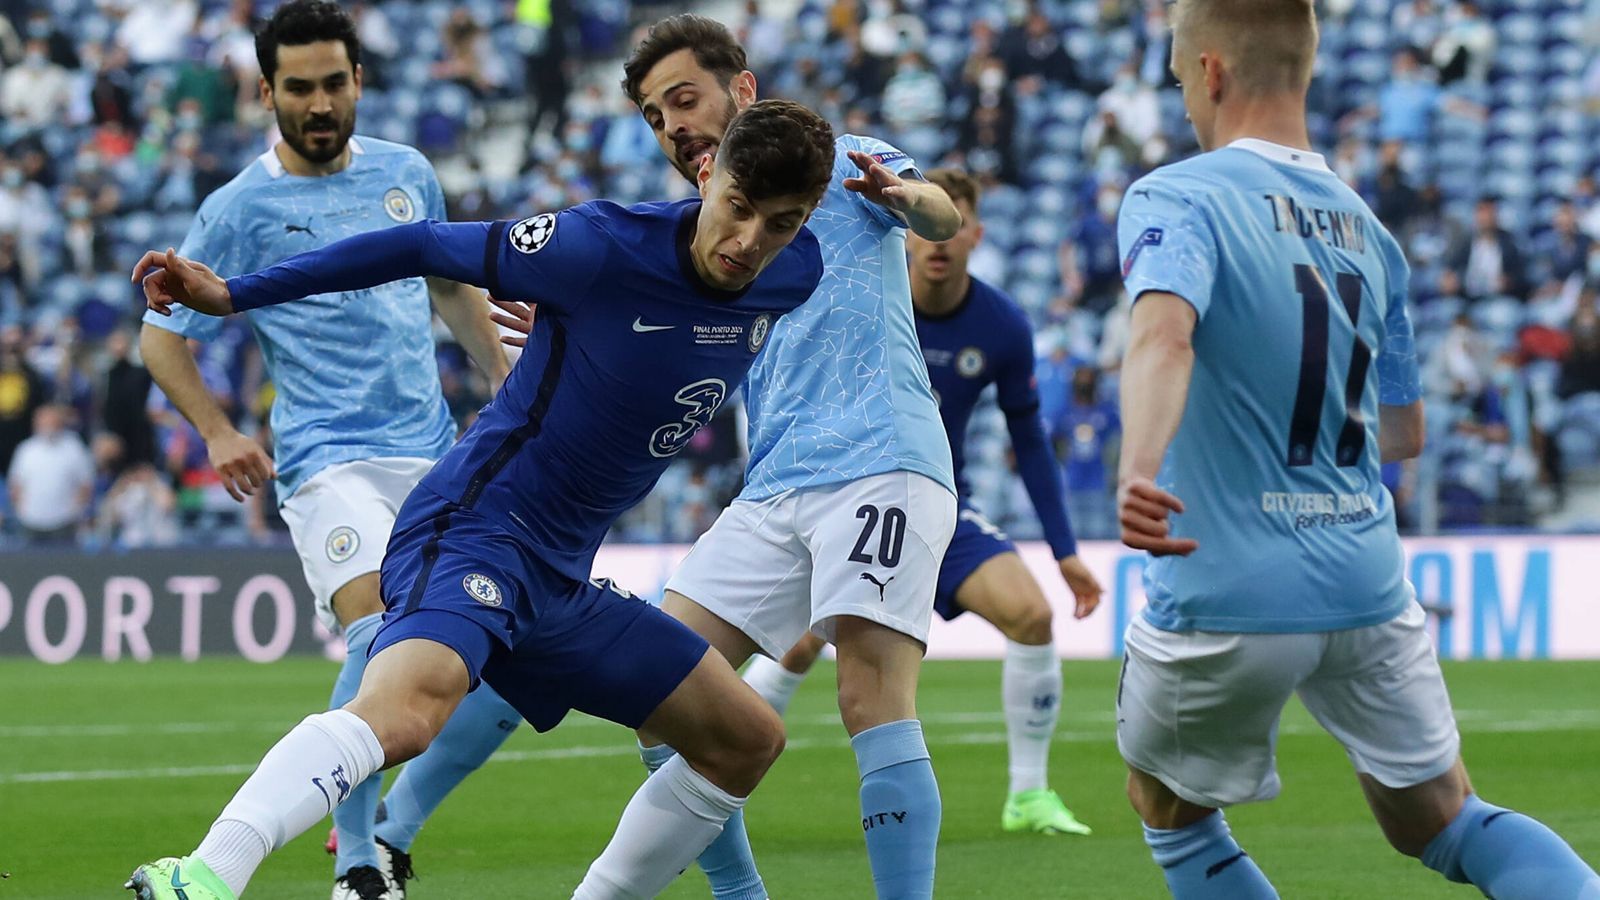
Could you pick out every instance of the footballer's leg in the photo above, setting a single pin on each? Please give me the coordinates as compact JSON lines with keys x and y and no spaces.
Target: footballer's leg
{"x":1002,"y":592}
{"x":410,"y":689}
{"x":876,"y":544}
{"x":776,"y":680}
{"x":1411,"y":772}
{"x":357,"y":868}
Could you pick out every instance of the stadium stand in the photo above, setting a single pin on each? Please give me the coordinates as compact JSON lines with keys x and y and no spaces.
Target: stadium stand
{"x":1474,"y":129}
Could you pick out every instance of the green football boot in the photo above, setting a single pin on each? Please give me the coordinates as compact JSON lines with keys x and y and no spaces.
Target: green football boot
{"x":177,"y":879}
{"x":1041,"y":812}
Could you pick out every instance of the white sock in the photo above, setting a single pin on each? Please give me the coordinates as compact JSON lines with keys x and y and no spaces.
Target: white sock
{"x":296,"y":785}
{"x":1030,"y":688}
{"x":671,"y":819}
{"x":772,"y":681}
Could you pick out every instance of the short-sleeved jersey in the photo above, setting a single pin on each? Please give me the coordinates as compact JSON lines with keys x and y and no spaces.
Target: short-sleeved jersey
{"x":1302,"y":332}
{"x":631,"y":353}
{"x":841,"y":391}
{"x":986,"y":340}
{"x":355,"y":372}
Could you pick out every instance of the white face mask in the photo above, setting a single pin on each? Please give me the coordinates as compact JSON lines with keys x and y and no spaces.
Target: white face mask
{"x":1108,"y":203}
{"x":992,"y":79}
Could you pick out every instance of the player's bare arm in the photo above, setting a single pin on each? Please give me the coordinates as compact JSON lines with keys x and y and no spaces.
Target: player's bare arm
{"x":241,"y":461}
{"x":926,"y":208}
{"x":1401,"y":432}
{"x":1155,"y":387}
{"x":461,"y":308}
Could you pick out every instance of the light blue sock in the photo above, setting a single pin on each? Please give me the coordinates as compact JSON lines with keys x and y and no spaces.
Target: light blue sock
{"x":900,"y":808}
{"x":474,"y":732}
{"x":1204,"y":862}
{"x":729,"y":864}
{"x":353,"y":818}
{"x":1509,"y":856}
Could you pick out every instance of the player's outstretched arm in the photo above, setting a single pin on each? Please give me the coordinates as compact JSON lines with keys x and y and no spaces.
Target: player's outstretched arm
{"x":1155,"y":388}
{"x":925,"y":206}
{"x":462,"y":309}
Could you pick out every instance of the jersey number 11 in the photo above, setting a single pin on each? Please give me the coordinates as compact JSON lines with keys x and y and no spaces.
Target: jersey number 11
{"x":1307,"y":421}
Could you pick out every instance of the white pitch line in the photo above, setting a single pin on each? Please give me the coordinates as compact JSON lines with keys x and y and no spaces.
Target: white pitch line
{"x":1568,"y":720}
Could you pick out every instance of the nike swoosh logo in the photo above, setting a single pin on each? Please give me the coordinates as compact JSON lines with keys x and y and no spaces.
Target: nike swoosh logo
{"x":640,"y":327}
{"x":177,"y":881}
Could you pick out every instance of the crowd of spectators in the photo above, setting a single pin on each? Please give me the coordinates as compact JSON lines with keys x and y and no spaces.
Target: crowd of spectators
{"x":1470,"y":127}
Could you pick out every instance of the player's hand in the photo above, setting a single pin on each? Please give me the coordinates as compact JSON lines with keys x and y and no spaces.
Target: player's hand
{"x":515,"y":315}
{"x":242,"y":462}
{"x":1144,"y":510}
{"x":878,"y":184}
{"x":169,"y":278}
{"x":1085,"y":589}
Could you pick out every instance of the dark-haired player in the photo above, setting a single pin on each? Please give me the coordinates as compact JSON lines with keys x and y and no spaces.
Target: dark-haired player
{"x":974,"y":336}
{"x":649,"y":315}
{"x":1270,"y":371}
{"x":359,"y":417}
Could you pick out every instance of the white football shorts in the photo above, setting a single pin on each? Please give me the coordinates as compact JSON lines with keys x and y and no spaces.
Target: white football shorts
{"x":1200,"y":710}
{"x":868,"y":548}
{"x":340,"y":520}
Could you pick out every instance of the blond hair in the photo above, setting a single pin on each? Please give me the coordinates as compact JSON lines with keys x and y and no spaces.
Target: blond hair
{"x":1270,"y":45}
{"x":958,"y":184}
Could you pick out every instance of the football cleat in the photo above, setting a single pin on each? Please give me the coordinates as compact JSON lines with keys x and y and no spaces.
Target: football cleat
{"x":1041,"y":812}
{"x":396,"y":867}
{"x":177,"y":879}
{"x":362,"y":883}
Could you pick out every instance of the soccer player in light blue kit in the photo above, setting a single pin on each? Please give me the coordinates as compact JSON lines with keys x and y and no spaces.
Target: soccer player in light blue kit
{"x":359,"y":416}
{"x":849,"y":499}
{"x":1270,"y":371}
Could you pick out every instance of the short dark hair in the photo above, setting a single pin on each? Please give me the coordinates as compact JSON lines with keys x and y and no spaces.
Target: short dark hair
{"x":715,"y":49}
{"x":958,"y":184}
{"x":776,"y":148}
{"x":301,"y":22}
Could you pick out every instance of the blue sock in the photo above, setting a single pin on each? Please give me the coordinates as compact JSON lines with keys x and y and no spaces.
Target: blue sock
{"x":900,"y":808}
{"x":729,"y":864}
{"x":1508,"y":856}
{"x":353,"y":818}
{"x":1204,"y":862}
{"x":475,"y":730}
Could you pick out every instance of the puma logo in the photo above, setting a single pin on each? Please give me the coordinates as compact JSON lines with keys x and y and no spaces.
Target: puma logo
{"x":306,"y":228}
{"x":868,"y":576}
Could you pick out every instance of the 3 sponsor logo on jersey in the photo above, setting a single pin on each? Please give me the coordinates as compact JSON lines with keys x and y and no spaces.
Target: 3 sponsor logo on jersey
{"x":970,"y":362}
{"x":482,"y":589}
{"x":397,"y":204}
{"x":343,"y":542}
{"x":531,"y":234}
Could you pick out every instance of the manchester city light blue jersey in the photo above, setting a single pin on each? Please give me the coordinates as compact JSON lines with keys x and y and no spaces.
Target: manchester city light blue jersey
{"x":355,"y":372}
{"x":841,"y":391}
{"x":1302,"y":334}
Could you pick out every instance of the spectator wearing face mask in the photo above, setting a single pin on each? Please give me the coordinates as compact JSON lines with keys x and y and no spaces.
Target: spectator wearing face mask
{"x":1084,"y":435}
{"x":36,"y":92}
{"x":51,"y":480}
{"x":87,"y":244}
{"x":1090,"y":265}
{"x":1485,"y":263}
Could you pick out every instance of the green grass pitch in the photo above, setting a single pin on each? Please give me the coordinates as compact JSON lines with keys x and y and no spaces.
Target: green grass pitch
{"x":104,"y":766}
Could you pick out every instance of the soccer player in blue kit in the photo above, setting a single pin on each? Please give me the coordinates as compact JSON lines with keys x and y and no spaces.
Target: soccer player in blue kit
{"x":359,"y":417}
{"x":974,"y":336}
{"x":849,"y":497}
{"x":648,"y":316}
{"x":1270,"y":371}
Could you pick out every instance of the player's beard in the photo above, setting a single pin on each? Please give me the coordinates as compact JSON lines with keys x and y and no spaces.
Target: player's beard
{"x":320,"y":152}
{"x":689,"y":168}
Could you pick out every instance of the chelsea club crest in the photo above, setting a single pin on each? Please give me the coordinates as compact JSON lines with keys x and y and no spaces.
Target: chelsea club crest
{"x":969,"y":362}
{"x":759,"y":329}
{"x":482,"y":589}
{"x":397,"y":203}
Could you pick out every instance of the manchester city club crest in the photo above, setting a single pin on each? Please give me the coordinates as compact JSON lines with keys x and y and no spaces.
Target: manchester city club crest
{"x":530,"y":235}
{"x":482,"y":589}
{"x":397,"y":203}
{"x":759,"y":329}
{"x":343,"y":542}
{"x":969,"y":362}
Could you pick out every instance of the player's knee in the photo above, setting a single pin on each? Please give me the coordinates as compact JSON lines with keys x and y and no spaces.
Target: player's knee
{"x":743,"y":754}
{"x":1034,"y":624}
{"x":402,"y":732}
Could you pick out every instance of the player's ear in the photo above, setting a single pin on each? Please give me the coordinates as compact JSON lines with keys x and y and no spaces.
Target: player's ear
{"x":266,"y":94}
{"x":355,"y":80}
{"x":702,"y":177}
{"x":743,"y":88}
{"x":1211,"y":65}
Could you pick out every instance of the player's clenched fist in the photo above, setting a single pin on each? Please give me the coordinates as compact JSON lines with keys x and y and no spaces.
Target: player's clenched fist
{"x":169,"y":278}
{"x":1144,"y":510}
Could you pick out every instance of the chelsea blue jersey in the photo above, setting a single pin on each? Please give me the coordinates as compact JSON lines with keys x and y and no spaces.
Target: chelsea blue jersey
{"x":631,"y":353}
{"x":841,"y":392}
{"x":1302,"y":333}
{"x":354,"y":371}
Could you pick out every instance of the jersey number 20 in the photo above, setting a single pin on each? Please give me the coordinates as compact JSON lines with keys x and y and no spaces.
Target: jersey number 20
{"x":1307,"y":421}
